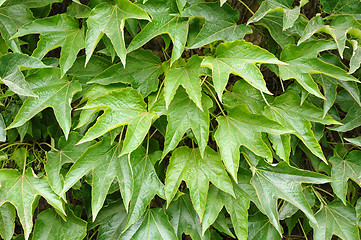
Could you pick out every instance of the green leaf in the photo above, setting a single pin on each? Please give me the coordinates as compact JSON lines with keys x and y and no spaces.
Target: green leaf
{"x":52,"y":91}
{"x":10,"y":72}
{"x":287,"y":110}
{"x":236,"y":207}
{"x":302,"y":61}
{"x":188,"y":165}
{"x":241,"y":127}
{"x":282,"y":181}
{"x":356,"y":141}
{"x":153,"y":225}
{"x":343,"y":170}
{"x":259,"y":227}
{"x":220,"y":23}
{"x":56,"y":31}
{"x":125,"y":106}
{"x":2,"y":129}
{"x":352,"y":7}
{"x":351,"y":121}
{"x":235,"y":58}
{"x":183,"y":114}
{"x":7,"y":220}
{"x":146,"y":183}
{"x":110,"y":19}
{"x":338,"y":29}
{"x":141,"y":71}
{"x":67,"y":152}
{"x":355,"y":60}
{"x":335,"y":219}
{"x":49,"y":225}
{"x":106,"y":165}
{"x":184,"y":219}
{"x":21,"y":190}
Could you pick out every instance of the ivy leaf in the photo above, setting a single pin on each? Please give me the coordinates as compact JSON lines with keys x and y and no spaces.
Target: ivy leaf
{"x":7,"y":220}
{"x":285,"y":6}
{"x":49,"y":225}
{"x":68,"y":152}
{"x":21,"y":190}
{"x":287,"y":110}
{"x":183,"y":114}
{"x":352,"y":7}
{"x":104,"y":161}
{"x":241,"y":127}
{"x":110,"y":19}
{"x":125,"y":106}
{"x":344,"y":169}
{"x":338,"y":29}
{"x":53,"y":91}
{"x":235,"y":58}
{"x":220,"y":23}
{"x":10,"y":72}
{"x":282,"y":181}
{"x":56,"y":31}
{"x":141,"y":71}
{"x":259,"y":227}
{"x":335,"y":219}
{"x":236,"y":207}
{"x":146,"y":183}
{"x":351,"y":121}
{"x":302,"y":60}
{"x":188,"y":165}
{"x":153,"y":225}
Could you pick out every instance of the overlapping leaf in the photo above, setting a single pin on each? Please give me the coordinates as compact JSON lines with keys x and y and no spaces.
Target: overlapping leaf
{"x":350,"y":7}
{"x":351,"y":121}
{"x":7,"y":220}
{"x":259,"y":227}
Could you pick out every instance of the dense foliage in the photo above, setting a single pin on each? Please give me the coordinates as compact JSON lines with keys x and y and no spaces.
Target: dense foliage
{"x":180,"y":119}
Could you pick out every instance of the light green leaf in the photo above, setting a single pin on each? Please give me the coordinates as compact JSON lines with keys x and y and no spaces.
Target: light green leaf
{"x":352,"y":7}
{"x":125,"y":106}
{"x":2,"y":129}
{"x":188,"y":165}
{"x":153,"y":225}
{"x":302,"y":61}
{"x":235,"y":58}
{"x":351,"y":121}
{"x":259,"y":227}
{"x":142,"y":70}
{"x":56,"y":31}
{"x":10,"y":72}
{"x":287,"y":110}
{"x":282,"y":145}
{"x":343,"y":170}
{"x":355,"y":60}
{"x":67,"y":152}
{"x":50,"y":226}
{"x":183,"y":114}
{"x":110,"y":19}
{"x":335,"y":219}
{"x":282,"y":181}
{"x":7,"y":220}
{"x":21,"y":190}
{"x":220,"y":23}
{"x":241,"y":127}
{"x":356,"y":141}
{"x":106,"y":165}
{"x":52,"y":91}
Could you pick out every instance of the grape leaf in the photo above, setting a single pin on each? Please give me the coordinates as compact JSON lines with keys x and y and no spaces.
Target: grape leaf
{"x":56,"y":31}
{"x":21,"y":190}
{"x":285,"y":6}
{"x":220,"y":23}
{"x":141,"y":71}
{"x":104,"y":161}
{"x":53,"y":91}
{"x":153,"y":225}
{"x":125,"y":106}
{"x":10,"y":72}
{"x":49,"y":225}
{"x":259,"y":227}
{"x":343,"y":170}
{"x":146,"y":183}
{"x":352,"y":7}
{"x":302,"y":60}
{"x":7,"y":220}
{"x":335,"y":219}
{"x":110,"y":20}
{"x":287,"y":110}
{"x":241,"y":127}
{"x":351,"y":121}
{"x":282,"y":181}
{"x":68,"y":152}
{"x":236,"y":58}
{"x":188,"y":165}
{"x":338,"y":29}
{"x":236,"y":207}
